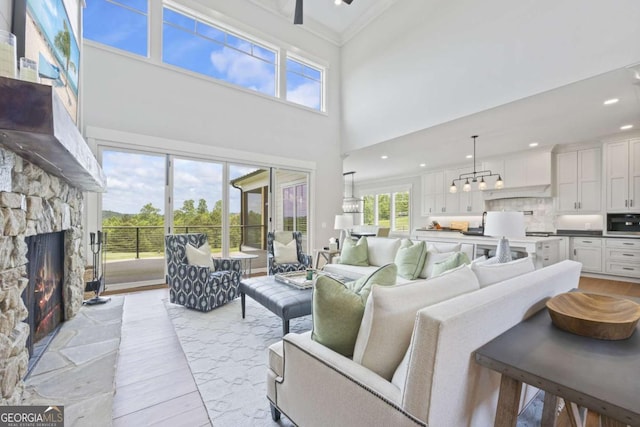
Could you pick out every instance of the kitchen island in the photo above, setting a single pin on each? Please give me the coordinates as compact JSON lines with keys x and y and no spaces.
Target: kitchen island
{"x":542,"y":250}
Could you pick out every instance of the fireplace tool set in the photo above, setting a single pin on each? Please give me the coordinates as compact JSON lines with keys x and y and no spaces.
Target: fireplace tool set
{"x":96,"y":285}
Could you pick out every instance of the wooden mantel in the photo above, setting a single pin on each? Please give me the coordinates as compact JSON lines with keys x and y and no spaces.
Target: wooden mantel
{"x":35,"y":125}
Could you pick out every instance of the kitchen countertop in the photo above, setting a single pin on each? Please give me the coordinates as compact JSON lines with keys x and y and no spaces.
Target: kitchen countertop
{"x":456,"y":235}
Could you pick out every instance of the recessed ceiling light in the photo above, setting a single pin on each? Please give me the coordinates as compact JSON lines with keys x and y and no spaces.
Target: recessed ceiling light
{"x":611,"y":101}
{"x":423,"y":165}
{"x":626,"y":127}
{"x":384,"y":157}
{"x":337,"y":2}
{"x":469,"y":156}
{"x":533,"y":144}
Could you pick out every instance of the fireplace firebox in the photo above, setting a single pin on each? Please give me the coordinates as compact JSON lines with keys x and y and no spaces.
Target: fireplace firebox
{"x":43,"y":295}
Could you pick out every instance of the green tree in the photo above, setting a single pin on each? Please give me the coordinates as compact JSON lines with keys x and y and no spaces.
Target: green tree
{"x":369,"y":202}
{"x":202,"y":207}
{"x":384,"y":210}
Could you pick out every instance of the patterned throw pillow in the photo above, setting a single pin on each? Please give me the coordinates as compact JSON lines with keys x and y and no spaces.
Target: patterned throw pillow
{"x":199,"y":256}
{"x":355,"y":253}
{"x":338,"y":308}
{"x":285,"y":254}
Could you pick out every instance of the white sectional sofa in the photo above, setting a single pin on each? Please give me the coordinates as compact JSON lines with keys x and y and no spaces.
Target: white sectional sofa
{"x":440,"y":384}
{"x":383,"y":250}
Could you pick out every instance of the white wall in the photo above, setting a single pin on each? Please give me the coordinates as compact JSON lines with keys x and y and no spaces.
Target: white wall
{"x":423,"y":63}
{"x":138,"y":97}
{"x":6,"y":11}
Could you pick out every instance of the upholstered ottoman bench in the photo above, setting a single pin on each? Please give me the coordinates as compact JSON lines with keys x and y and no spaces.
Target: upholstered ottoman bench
{"x":283,"y":300}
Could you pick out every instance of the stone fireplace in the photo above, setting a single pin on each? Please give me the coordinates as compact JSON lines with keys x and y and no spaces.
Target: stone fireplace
{"x":45,"y":166}
{"x":37,"y":204}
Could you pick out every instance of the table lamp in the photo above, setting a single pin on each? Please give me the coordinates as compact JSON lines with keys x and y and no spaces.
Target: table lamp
{"x":343,"y":223}
{"x":503,"y":225}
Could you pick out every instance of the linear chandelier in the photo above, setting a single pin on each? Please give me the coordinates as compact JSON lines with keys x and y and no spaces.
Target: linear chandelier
{"x":474,"y":176}
{"x":350,"y":204}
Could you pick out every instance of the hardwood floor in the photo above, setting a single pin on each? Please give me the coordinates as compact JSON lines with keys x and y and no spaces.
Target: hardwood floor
{"x":610,"y":287}
{"x":154,"y":385}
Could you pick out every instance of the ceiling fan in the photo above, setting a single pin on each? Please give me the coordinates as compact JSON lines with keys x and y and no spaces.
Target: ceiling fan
{"x":297,"y":16}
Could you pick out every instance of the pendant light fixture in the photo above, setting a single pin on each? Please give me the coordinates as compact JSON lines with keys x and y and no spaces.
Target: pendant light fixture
{"x":475,"y":176}
{"x":350,"y":204}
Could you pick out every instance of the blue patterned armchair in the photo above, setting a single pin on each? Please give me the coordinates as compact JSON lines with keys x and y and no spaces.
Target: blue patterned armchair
{"x":195,"y":286}
{"x":304,"y":261}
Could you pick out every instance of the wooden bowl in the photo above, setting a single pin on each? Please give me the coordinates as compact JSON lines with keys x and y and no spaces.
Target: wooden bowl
{"x":593,"y":315}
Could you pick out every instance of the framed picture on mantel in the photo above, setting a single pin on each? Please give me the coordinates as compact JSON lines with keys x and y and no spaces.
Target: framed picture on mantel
{"x":46,"y":35}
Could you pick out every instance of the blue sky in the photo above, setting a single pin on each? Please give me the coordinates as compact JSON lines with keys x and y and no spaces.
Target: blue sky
{"x":135,"y":179}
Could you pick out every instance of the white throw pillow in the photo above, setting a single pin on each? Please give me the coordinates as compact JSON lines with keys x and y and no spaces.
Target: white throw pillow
{"x":488,"y":274}
{"x":382,"y":250}
{"x":433,"y":256}
{"x":285,"y":254}
{"x":199,"y":256}
{"x":390,"y":312}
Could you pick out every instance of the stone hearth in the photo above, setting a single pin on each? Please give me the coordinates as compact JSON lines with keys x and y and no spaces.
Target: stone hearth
{"x":32,"y":202}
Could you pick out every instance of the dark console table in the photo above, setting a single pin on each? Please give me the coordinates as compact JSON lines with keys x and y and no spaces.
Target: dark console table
{"x":603,"y":376}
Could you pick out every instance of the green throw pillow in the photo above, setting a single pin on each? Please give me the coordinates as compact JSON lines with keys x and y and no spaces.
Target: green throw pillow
{"x":355,"y":253}
{"x":455,"y":260}
{"x":410,"y":258}
{"x":338,"y":308}
{"x":384,"y":276}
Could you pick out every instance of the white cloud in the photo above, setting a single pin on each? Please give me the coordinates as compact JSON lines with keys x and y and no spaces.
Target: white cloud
{"x":134,"y":180}
{"x":244,"y":70}
{"x":305,"y":94}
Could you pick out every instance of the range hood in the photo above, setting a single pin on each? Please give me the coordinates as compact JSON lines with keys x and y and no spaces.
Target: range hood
{"x":534,"y":191}
{"x":35,"y":125}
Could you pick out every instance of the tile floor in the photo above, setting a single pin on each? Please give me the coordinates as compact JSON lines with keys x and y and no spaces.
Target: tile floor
{"x":154,"y":385}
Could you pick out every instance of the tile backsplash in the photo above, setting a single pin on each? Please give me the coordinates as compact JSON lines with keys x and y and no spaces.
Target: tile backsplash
{"x":543,"y":215}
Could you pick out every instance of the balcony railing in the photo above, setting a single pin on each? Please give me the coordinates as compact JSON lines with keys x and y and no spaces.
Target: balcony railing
{"x":147,"y":241}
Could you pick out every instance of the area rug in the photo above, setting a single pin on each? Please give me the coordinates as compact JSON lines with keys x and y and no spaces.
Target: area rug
{"x":228,"y":358}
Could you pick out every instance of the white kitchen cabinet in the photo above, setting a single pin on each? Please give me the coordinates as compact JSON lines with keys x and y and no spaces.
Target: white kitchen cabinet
{"x":622,"y":257}
{"x":548,"y":252}
{"x":623,"y":175}
{"x":471,"y":202}
{"x":462,"y":202}
{"x":588,"y":251}
{"x":563,"y":248}
{"x":438,"y":200}
{"x":452,"y":200}
{"x":578,"y":182}
{"x":433,"y":197}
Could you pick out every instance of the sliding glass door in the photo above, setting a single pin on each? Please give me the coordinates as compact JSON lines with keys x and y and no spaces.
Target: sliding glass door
{"x":291,"y":202}
{"x":197,"y":200}
{"x":133,"y":216}
{"x":149,"y":195}
{"x":249,"y":215}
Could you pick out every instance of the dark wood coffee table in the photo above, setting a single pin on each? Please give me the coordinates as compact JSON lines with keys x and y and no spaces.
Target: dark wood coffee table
{"x":600,"y":375}
{"x":285,"y":301}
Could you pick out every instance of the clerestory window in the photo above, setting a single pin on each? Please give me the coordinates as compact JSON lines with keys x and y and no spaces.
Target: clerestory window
{"x":304,"y":84}
{"x":122,"y":24}
{"x":194,"y":43}
{"x":197,"y":46}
